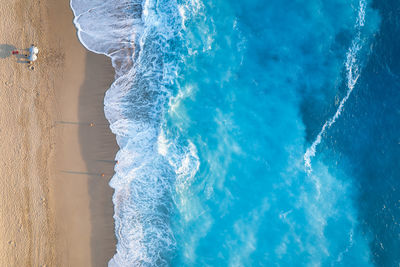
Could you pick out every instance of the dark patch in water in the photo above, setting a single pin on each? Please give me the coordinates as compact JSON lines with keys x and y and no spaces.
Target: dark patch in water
{"x":365,"y":140}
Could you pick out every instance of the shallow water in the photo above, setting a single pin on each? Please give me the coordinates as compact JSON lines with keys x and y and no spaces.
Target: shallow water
{"x":251,"y":133}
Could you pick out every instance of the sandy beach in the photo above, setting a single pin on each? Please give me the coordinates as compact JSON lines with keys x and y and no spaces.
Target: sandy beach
{"x":57,"y":150}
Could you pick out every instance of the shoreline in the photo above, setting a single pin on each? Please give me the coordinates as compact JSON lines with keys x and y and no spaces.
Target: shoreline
{"x":84,"y":153}
{"x":98,"y":154}
{"x":56,"y":204}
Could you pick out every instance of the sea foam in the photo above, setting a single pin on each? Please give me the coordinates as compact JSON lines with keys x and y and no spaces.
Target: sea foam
{"x":205,"y":109}
{"x":138,"y":36}
{"x":353,"y":66}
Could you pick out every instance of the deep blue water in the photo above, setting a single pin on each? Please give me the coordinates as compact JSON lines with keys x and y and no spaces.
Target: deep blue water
{"x":252,"y":133}
{"x":366,"y":140}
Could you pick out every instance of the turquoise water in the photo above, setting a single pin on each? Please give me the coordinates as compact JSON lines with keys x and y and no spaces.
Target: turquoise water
{"x":240,"y":100}
{"x":235,"y":122}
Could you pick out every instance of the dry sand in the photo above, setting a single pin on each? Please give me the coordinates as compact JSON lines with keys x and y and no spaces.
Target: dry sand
{"x":55,"y":203}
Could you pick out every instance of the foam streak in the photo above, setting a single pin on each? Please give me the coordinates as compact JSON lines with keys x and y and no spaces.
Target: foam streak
{"x":353,"y":73}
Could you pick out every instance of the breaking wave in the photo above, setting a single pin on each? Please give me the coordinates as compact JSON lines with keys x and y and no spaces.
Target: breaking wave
{"x":142,"y":38}
{"x":205,"y":109}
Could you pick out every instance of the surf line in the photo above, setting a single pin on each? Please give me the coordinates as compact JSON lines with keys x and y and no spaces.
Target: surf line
{"x":353,"y":73}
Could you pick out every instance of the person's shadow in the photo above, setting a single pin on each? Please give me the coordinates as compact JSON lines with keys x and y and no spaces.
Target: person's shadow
{"x":6,"y":50}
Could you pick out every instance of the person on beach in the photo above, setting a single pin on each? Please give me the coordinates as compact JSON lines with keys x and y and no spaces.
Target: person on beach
{"x":31,"y":56}
{"x":33,"y":51}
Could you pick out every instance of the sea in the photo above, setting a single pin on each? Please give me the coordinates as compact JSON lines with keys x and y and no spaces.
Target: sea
{"x":252,"y":133}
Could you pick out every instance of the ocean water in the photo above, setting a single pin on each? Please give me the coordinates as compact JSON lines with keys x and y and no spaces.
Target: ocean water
{"x":252,"y":133}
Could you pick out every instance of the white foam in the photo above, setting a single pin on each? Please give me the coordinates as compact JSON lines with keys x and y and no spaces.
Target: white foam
{"x":137,"y":36}
{"x":352,"y":75}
